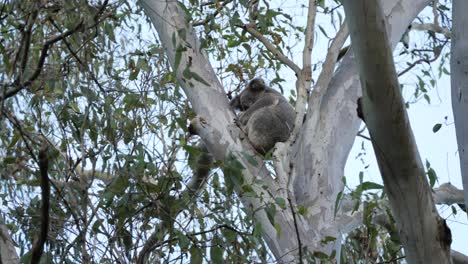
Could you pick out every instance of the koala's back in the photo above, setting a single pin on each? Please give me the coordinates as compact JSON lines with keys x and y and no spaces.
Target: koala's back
{"x":271,"y":124}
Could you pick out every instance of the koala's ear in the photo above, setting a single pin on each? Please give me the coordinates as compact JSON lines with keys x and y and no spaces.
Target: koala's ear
{"x":235,"y":103}
{"x":257,"y":84}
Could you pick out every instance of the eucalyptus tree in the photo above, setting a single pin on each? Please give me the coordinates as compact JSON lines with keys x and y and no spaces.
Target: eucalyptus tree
{"x":99,"y":163}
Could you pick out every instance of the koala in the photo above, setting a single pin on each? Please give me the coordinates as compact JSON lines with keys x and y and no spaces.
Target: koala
{"x":266,"y":116}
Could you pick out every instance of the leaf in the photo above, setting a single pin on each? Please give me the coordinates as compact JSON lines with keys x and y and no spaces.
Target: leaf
{"x":257,"y":231}
{"x":436,"y":127}
{"x":320,"y":255}
{"x":337,"y":202}
{"x":432,"y":176}
{"x":271,"y":212}
{"x":324,"y":32}
{"x":280,"y":202}
{"x":178,"y":56}
{"x":251,"y":159}
{"x":278,"y":230}
{"x":371,"y":185}
{"x":216,"y":255}
{"x":327,"y":240}
{"x":195,"y":256}
{"x":427,"y":98}
{"x":96,"y":225}
{"x":143,"y":65}
{"x":182,"y":33}
{"x":200,"y":79}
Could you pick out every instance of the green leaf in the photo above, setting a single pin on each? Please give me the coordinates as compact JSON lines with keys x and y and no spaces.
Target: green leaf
{"x":182,"y":33}
{"x":280,"y":202}
{"x":371,"y":185}
{"x":143,"y":65}
{"x":178,"y":56}
{"x":436,"y":127}
{"x":327,"y":240}
{"x":271,"y":212}
{"x":337,"y":202}
{"x":251,"y":159}
{"x":184,"y":242}
{"x":216,"y":255}
{"x":432,"y":176}
{"x":96,"y":226}
{"x":195,"y":256}
{"x":427,"y":98}
{"x":320,"y":255}
{"x":278,"y":230}
{"x":324,"y":32}
{"x":257,"y":231}
{"x":200,"y":79}
{"x":302,"y":210}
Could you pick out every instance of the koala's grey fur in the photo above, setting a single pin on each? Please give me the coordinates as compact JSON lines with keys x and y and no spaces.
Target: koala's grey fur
{"x":266,"y":115}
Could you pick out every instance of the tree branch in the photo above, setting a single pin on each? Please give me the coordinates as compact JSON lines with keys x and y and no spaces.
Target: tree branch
{"x":38,"y":246}
{"x":17,"y":84}
{"x":432,"y":27}
{"x":270,"y":47}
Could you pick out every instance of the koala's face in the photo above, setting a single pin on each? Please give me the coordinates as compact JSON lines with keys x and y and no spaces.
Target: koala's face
{"x":248,"y":98}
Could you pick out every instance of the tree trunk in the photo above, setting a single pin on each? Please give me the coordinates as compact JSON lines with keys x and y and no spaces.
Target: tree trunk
{"x":459,"y":80}
{"x":7,"y":248}
{"x":385,"y":115}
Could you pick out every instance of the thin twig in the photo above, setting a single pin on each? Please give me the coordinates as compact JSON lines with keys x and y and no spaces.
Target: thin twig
{"x":270,"y":47}
{"x":309,"y":37}
{"x":18,"y":86}
{"x":428,"y":61}
{"x":297,"y":230}
{"x":211,"y":16}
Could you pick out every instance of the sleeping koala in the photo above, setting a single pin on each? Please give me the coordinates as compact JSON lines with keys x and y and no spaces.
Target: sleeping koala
{"x":266,"y":115}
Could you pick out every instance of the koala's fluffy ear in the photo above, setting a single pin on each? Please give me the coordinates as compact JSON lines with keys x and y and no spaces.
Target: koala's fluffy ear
{"x":257,"y":84}
{"x":235,"y":103}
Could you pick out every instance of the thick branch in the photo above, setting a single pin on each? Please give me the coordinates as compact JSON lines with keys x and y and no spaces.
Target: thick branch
{"x":304,"y":77}
{"x":448,"y":194}
{"x":395,"y":148}
{"x":38,"y":246}
{"x":432,"y":27}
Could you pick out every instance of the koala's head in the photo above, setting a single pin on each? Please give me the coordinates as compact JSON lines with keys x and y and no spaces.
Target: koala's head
{"x":252,"y":92}
{"x":257,"y":84}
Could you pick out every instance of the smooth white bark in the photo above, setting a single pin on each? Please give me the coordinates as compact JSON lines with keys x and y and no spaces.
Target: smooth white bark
{"x":385,"y":115}
{"x":459,"y":81}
